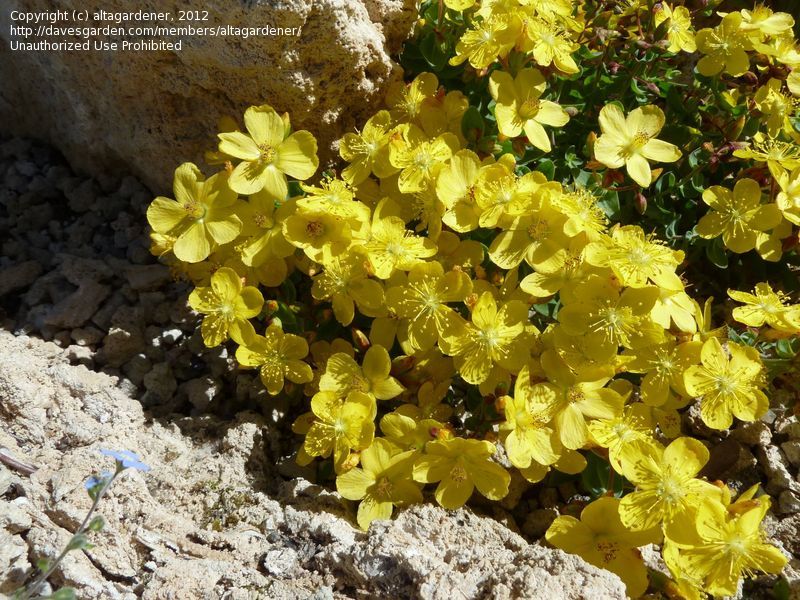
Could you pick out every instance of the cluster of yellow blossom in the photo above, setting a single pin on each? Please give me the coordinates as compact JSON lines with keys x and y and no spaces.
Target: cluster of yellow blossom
{"x":453,"y":270}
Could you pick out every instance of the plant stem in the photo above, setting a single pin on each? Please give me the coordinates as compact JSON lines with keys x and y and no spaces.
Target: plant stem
{"x":34,"y":587}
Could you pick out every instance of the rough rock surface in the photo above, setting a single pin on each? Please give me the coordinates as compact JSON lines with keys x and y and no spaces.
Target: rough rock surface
{"x":162,"y":108}
{"x":213,"y":519}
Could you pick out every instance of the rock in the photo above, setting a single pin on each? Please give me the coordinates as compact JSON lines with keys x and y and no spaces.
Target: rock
{"x":87,"y":336}
{"x":788,"y":502}
{"x":792,"y":451}
{"x":79,"y":355}
{"x":18,"y":276}
{"x":195,"y":526}
{"x":147,"y":277}
{"x":119,"y":346}
{"x":160,"y":382}
{"x":753,"y":434}
{"x":201,"y":391}
{"x":331,"y":73}
{"x":79,"y":271}
{"x":774,"y":464}
{"x":77,"y":308}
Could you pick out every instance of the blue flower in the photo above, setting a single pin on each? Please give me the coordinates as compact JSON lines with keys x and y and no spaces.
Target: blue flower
{"x":98,"y":480}
{"x":126,"y":459}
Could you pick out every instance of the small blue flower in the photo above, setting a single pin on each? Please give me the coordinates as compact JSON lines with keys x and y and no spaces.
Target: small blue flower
{"x":98,"y":480}
{"x":126,"y":459}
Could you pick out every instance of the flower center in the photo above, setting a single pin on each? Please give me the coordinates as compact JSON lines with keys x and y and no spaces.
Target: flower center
{"x":529,"y":109}
{"x":315,"y":229}
{"x":458,"y":474}
{"x":267,"y":153}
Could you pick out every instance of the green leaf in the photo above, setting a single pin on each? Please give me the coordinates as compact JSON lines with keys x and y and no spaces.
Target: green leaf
{"x":472,"y":125}
{"x":548,"y":167}
{"x":715,"y":251}
{"x":597,"y":475}
{"x":63,"y":594}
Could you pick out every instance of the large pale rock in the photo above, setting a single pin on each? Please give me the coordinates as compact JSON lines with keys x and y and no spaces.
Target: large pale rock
{"x":213,"y":520}
{"x":150,"y":110}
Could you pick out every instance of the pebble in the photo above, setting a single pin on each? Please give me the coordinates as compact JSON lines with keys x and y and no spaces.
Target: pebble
{"x":80,"y":355}
{"x":160,"y":381}
{"x":136,"y":368}
{"x":147,"y":277}
{"x":120,"y":346}
{"x":756,"y":433}
{"x":87,"y":336}
{"x":792,"y":451}
{"x":77,"y":308}
{"x":788,"y":502}
{"x":201,"y":391}
{"x":19,"y":276}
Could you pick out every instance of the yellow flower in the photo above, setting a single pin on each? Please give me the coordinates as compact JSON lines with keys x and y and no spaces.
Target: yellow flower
{"x":460,"y":466}
{"x":718,"y":545}
{"x":679,"y":28}
{"x":345,"y":282}
{"x":727,"y":387}
{"x":455,"y":188}
{"x":343,"y":375}
{"x":489,"y":39}
{"x":551,"y":45}
{"x":663,"y":366}
{"x":392,"y":247}
{"x":572,"y":401}
{"x":601,"y":539}
{"x":382,"y":482}
{"x":340,"y":426}
{"x":777,"y":154}
{"x":665,"y":480}
{"x":314,"y":231}
{"x":630,"y":141}
{"x":409,"y":433}
{"x":596,"y":306}
{"x":202,"y":214}
{"x":674,"y":307}
{"x":765,"y":305}
{"x":618,"y":433}
{"x":725,"y":48}
{"x":528,"y":436}
{"x":584,"y":214}
{"x":636,"y":259}
{"x":500,"y":195}
{"x":519,"y":107}
{"x":423,"y":301}
{"x":334,"y":196}
{"x":277,"y":355}
{"x":762,"y":21}
{"x":367,"y":152}
{"x":537,"y":237}
{"x":408,"y":101}
{"x":262,"y":217}
{"x":268,"y":154}
{"x":227,"y":306}
{"x":776,"y":106}
{"x":493,"y":337}
{"x":737,"y":216}
{"x":419,"y":158}
{"x":788,"y":199}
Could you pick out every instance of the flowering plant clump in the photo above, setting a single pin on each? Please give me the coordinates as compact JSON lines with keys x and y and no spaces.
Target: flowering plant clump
{"x":508,"y":280}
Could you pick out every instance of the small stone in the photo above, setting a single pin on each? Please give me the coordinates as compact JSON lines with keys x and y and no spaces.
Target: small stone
{"x":79,"y":355}
{"x":82,"y":197}
{"x":136,"y":368}
{"x":792,"y":451}
{"x":280,"y":562}
{"x":538,"y":521}
{"x":87,"y":336}
{"x":170,"y":336}
{"x":77,"y":308}
{"x":788,"y":502}
{"x":78,"y":270}
{"x":756,"y":433}
{"x":18,"y":276}
{"x":147,"y":277}
{"x":62,"y":338}
{"x":160,"y":381}
{"x":201,"y":391}
{"x":120,"y":345}
{"x":774,"y":464}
